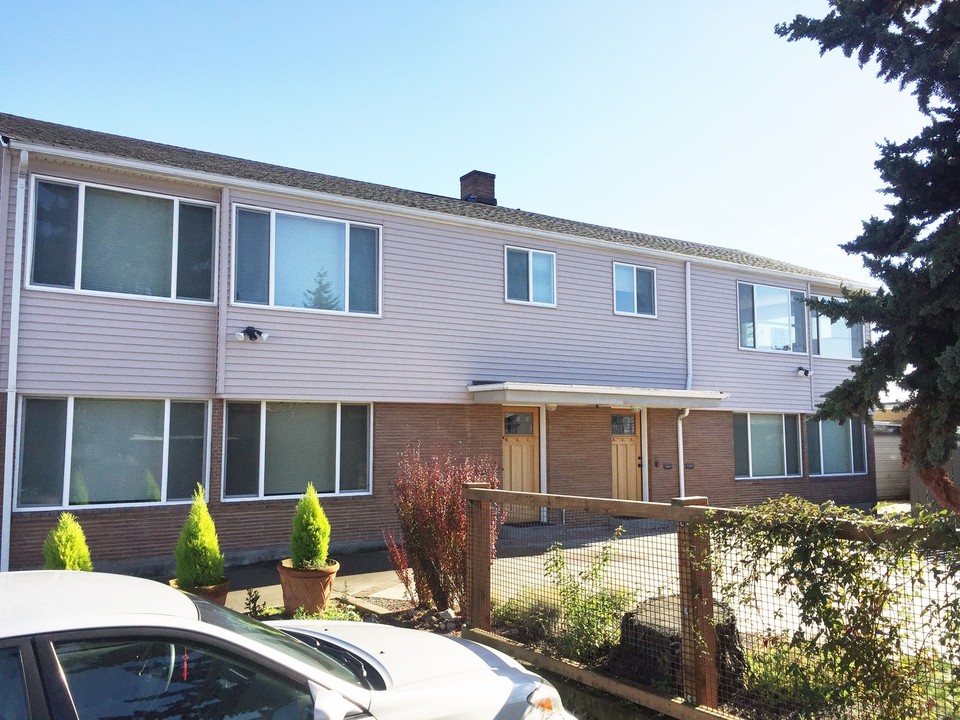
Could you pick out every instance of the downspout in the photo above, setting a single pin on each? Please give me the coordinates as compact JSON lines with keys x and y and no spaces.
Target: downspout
{"x":682,"y":414}
{"x":689,"y":385}
{"x":10,"y":427}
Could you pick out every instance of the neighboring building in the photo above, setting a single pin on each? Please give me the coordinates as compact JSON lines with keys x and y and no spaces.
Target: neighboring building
{"x":173,"y":317}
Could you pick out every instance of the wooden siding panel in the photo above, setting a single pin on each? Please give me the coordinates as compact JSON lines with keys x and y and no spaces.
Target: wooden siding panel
{"x":755,"y":380}
{"x":445,"y":324}
{"x":80,"y":344}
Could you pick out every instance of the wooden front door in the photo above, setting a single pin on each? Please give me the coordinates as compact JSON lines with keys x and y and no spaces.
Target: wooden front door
{"x":625,"y":453}
{"x":521,"y":457}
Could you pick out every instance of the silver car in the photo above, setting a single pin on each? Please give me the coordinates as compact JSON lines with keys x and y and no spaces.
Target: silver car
{"x":95,"y":646}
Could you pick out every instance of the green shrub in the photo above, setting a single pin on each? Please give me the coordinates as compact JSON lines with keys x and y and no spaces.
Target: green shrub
{"x":529,"y":617}
{"x":590,"y":612}
{"x":65,"y":547}
{"x":199,"y":561}
{"x":311,"y":533}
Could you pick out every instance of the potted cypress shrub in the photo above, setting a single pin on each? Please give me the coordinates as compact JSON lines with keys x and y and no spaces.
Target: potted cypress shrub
{"x":306,"y":577}
{"x":65,"y":547}
{"x":199,"y":562}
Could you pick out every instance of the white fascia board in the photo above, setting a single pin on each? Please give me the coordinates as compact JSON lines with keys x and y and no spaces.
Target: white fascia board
{"x":521,"y":393}
{"x":218,"y":180}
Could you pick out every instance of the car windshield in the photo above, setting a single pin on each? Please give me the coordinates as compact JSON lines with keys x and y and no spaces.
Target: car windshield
{"x":333,"y":661}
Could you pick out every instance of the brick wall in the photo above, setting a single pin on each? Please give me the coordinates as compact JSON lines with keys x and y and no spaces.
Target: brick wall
{"x":145,"y":536}
{"x":578,"y":452}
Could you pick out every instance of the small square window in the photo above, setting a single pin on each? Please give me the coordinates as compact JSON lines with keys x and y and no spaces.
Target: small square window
{"x":634,"y":290}
{"x":530,"y":276}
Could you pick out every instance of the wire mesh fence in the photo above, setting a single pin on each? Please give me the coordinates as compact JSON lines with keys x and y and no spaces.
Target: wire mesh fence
{"x":659,"y":601}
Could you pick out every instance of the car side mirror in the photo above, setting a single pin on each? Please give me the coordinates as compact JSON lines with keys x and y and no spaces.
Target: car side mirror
{"x":329,"y":705}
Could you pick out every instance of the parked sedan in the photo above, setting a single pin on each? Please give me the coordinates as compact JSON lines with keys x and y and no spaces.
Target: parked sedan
{"x":94,"y":646}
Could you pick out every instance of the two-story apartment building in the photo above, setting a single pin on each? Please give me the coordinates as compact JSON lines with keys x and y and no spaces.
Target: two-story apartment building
{"x":173,"y":317}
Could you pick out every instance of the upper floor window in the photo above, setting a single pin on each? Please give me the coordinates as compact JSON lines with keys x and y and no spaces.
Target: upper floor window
{"x":276,"y":448}
{"x":301,"y":261}
{"x":634,"y":290}
{"x":87,"y":237}
{"x":772,"y":318}
{"x":766,"y":445}
{"x":531,"y":276}
{"x":86,"y":451}
{"x":836,"y":449}
{"x":835,"y":338}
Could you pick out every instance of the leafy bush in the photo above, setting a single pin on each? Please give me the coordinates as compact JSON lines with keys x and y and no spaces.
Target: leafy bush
{"x":310,"y":541}
{"x":65,"y":547}
{"x":529,"y":617}
{"x":334,"y":611}
{"x":866,"y":627}
{"x":590,"y":612}
{"x":433,"y":523}
{"x":199,"y":561}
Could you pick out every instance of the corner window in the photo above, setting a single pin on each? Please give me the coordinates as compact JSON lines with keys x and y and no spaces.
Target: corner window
{"x":99,"y":239}
{"x":836,"y":449}
{"x":530,"y":276}
{"x":634,"y":290}
{"x":302,"y":261}
{"x":766,"y":445}
{"x":835,"y":339}
{"x":275,"y":449}
{"x":772,"y":318}
{"x":87,"y":451}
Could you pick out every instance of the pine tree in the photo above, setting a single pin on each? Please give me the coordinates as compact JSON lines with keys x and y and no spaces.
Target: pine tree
{"x":915,"y":250}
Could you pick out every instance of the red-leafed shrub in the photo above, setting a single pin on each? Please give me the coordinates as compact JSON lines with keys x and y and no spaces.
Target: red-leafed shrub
{"x":433,"y":524}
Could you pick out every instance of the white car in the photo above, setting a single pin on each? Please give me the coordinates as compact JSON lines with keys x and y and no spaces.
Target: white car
{"x":95,"y":646}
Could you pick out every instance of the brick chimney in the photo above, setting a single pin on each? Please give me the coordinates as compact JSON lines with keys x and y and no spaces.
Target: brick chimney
{"x":477,"y":186}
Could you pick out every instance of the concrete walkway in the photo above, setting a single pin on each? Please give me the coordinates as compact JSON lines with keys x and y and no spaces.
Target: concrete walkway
{"x":361,"y":576}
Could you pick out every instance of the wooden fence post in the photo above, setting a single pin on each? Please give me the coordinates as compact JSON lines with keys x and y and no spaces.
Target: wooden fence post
{"x":699,"y":636}
{"x":478,"y":606}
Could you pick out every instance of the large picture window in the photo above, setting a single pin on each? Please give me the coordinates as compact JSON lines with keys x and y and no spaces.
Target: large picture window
{"x":301,"y":261}
{"x":277,"y":448}
{"x":88,"y":451}
{"x":835,"y":339}
{"x":766,"y":445}
{"x":772,"y":318}
{"x":836,"y":449}
{"x":87,"y":237}
{"x":634,"y":290}
{"x":530,"y":276}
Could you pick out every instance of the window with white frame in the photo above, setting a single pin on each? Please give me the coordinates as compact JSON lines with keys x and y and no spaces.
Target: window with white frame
{"x":766,"y":445}
{"x":835,"y":338}
{"x":100,"y":239}
{"x":92,"y":451}
{"x":531,"y":276}
{"x":771,"y":318}
{"x":634,"y":290}
{"x":835,"y":449}
{"x":276,"y":448}
{"x":304,"y":261}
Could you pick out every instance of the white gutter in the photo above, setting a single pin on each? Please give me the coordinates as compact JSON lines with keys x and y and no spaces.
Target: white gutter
{"x":10,"y":427}
{"x":224,"y":251}
{"x":813,"y":401}
{"x":680,"y":416}
{"x":218,"y":179}
{"x":686,"y":271}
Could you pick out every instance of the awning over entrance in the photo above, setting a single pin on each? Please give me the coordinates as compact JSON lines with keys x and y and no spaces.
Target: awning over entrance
{"x":525,"y":393}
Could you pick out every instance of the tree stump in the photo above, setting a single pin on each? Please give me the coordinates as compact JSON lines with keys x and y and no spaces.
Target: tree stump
{"x":651,"y":650}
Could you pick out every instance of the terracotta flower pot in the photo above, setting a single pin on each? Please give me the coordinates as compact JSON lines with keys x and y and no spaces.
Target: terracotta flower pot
{"x":214,"y":593}
{"x":309,"y":589}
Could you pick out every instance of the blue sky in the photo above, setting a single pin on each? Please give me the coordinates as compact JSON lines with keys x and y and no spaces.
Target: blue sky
{"x":684,"y":118}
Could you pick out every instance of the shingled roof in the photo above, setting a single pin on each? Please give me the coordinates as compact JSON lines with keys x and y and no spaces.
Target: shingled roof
{"x":52,"y":135}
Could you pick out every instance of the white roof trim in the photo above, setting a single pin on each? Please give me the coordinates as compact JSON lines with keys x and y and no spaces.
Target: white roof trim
{"x":524,"y":393}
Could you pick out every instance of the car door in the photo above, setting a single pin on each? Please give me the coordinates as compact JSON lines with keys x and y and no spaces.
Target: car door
{"x":152,"y":674}
{"x":21,"y":696}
